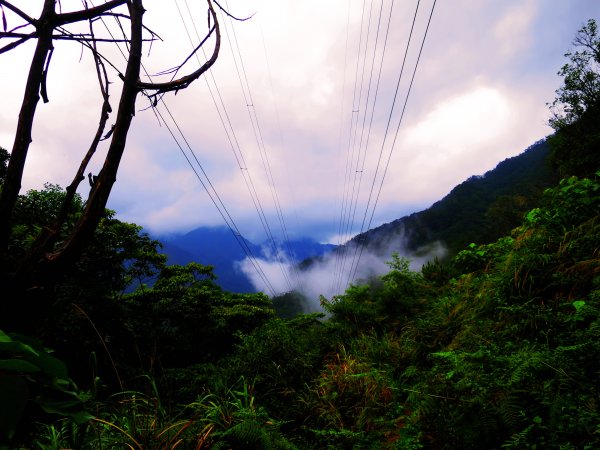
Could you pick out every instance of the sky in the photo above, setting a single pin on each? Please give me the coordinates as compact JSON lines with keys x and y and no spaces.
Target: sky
{"x":309,"y":94}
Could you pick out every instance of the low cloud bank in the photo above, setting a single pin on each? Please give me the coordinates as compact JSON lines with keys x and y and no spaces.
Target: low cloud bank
{"x":330,"y":274}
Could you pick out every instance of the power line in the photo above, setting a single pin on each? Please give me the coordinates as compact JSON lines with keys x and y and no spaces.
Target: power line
{"x":355,"y":109}
{"x":353,"y":172}
{"x":223,"y":212}
{"x":231,"y":136}
{"x":361,"y":166}
{"x":398,"y":126}
{"x":291,"y":252}
{"x":373,"y":107}
{"x":359,"y":151}
{"x":243,"y":78}
{"x":222,"y":209}
{"x":234,"y":144}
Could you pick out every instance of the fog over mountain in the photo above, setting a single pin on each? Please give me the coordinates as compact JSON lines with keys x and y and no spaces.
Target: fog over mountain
{"x":329,"y":274}
{"x":480,"y":209}
{"x":220,"y":248}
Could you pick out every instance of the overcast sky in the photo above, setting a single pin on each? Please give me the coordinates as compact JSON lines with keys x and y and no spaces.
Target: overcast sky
{"x":487,"y":70}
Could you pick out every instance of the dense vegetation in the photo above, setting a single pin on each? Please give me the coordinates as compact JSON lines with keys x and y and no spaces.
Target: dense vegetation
{"x":481,"y":208}
{"x":498,"y":347}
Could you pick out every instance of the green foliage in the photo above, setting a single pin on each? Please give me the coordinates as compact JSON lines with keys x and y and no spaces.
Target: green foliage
{"x":4,"y":158}
{"x":185,"y":318}
{"x":498,"y":348}
{"x":36,"y":210}
{"x":576,"y":109}
{"x":234,"y":420}
{"x":32,"y":381}
{"x":280,"y":356}
{"x":437,"y":272}
{"x":119,"y":255}
{"x":290,"y":304}
{"x":352,"y":401}
{"x":520,"y":359}
{"x":581,"y":88}
{"x":385,"y":304}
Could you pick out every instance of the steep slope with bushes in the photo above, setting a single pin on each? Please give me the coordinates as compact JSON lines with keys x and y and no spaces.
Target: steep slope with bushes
{"x":480,"y":209}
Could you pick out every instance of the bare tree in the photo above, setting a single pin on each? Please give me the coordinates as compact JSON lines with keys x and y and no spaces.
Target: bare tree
{"x":48,"y":28}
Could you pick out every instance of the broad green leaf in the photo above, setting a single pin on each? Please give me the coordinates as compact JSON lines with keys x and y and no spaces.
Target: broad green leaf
{"x":4,"y":337}
{"x":578,"y":304}
{"x":18,"y":365}
{"x":14,"y":395}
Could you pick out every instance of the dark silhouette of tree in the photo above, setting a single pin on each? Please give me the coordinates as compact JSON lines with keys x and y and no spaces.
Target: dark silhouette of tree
{"x":581,"y":88}
{"x":46,"y":255}
{"x":576,"y":109}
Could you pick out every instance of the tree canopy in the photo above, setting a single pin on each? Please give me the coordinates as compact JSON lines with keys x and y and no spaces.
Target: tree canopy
{"x":52,"y":25}
{"x":581,"y":75}
{"x":576,"y":109}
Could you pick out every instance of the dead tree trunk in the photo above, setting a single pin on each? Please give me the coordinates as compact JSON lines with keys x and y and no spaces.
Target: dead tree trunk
{"x":100,"y":192}
{"x":43,"y":257}
{"x":14,"y":174}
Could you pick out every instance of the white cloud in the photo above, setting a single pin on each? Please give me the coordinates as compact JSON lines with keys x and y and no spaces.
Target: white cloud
{"x":330,"y":275}
{"x":465,"y":121}
{"x":487,"y":70}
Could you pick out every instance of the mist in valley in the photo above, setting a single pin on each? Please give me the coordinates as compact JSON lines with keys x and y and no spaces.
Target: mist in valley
{"x":329,"y":275}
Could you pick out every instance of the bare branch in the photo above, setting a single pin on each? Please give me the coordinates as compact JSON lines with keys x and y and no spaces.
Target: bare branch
{"x":16,"y":165}
{"x":85,"y":38}
{"x":43,"y":90}
{"x":87,"y":43}
{"x":125,"y":16}
{"x":48,"y":236}
{"x":233,"y":17}
{"x":185,"y":81}
{"x":16,"y":43}
{"x":11,"y":34}
{"x":96,"y":203}
{"x":18,"y":27}
{"x":18,"y":12}
{"x":85,"y":14}
{"x":176,"y":69}
{"x":4,"y":23}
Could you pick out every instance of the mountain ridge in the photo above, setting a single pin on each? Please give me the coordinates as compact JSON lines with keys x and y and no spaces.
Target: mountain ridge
{"x":480,"y":209}
{"x":219,"y":247}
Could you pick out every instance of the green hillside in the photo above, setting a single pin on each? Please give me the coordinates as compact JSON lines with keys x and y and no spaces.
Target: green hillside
{"x":480,"y":209}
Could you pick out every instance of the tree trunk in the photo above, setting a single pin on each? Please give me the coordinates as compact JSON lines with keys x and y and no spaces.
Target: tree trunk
{"x":96,"y":204}
{"x":14,"y":174}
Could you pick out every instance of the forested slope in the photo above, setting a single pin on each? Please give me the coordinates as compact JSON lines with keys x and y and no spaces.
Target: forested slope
{"x":480,"y":209}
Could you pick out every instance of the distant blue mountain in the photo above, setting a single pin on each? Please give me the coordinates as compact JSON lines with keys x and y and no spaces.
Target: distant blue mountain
{"x":218,"y":247}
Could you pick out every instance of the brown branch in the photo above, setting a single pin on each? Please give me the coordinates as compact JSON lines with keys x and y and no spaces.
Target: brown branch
{"x":75,"y":243}
{"x":86,"y":14}
{"x":14,"y":173}
{"x":49,"y":235}
{"x":15,"y":44}
{"x":88,"y":44}
{"x":233,"y":17}
{"x":18,"y":12}
{"x":83,"y":38}
{"x":18,"y":27}
{"x":43,"y":89}
{"x":185,"y":81}
{"x":125,"y":16}
{"x":176,"y":69}
{"x":11,"y":34}
{"x":123,"y":33}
